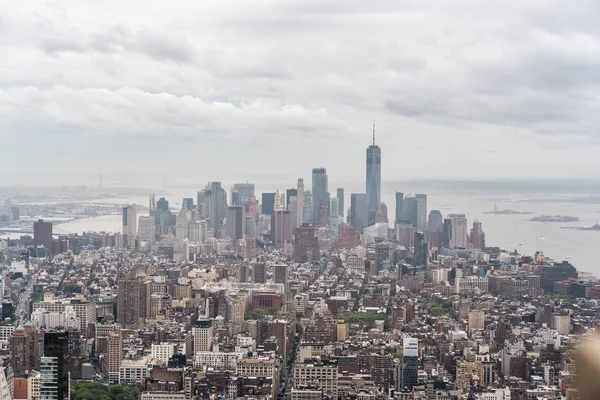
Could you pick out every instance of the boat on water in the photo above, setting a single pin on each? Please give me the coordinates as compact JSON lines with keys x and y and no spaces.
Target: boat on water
{"x":595,"y":227}
{"x":554,"y":218}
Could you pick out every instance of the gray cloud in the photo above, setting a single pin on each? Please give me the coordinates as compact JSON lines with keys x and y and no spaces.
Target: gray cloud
{"x":433,"y":74}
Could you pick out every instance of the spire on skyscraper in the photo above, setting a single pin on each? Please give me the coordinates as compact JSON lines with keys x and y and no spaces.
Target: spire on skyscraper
{"x":373,"y":132}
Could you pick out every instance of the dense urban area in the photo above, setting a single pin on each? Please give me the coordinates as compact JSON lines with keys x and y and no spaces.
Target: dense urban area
{"x":291,"y":295}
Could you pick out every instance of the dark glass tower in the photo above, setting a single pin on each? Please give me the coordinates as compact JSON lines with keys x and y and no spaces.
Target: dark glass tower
{"x":319,"y":193}
{"x":340,"y":199}
{"x":358,"y":211}
{"x":373,"y":178}
{"x":54,"y":366}
{"x":399,"y":207}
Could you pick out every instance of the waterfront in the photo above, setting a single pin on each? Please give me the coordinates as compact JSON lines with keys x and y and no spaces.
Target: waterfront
{"x":509,"y":232}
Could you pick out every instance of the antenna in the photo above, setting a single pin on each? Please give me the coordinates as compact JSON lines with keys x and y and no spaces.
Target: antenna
{"x":373,"y":132}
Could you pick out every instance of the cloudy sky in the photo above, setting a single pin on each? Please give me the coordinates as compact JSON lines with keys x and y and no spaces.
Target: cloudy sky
{"x":224,"y":89}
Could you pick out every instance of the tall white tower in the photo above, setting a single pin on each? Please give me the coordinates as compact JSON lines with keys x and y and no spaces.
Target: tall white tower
{"x":130,"y":225}
{"x":300,"y":202}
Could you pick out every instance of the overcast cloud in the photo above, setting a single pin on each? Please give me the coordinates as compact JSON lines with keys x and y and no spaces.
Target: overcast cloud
{"x":459,"y":89}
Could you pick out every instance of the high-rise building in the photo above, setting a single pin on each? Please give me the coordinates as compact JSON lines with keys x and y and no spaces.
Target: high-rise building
{"x":306,"y":244}
{"x":114,"y":356}
{"x":133,"y":301}
{"x":129,"y":225}
{"x":319,"y":193}
{"x":340,"y":199}
{"x":250,"y":225}
{"x":203,"y":335}
{"x":282,"y":228}
{"x":435,"y":221}
{"x":459,"y":235}
{"x":259,"y":272}
{"x":447,"y":233}
{"x":235,"y":198}
{"x":435,"y":229}
{"x":201,"y":201}
{"x":218,"y":205}
{"x":373,"y":181}
{"x":182,"y":226}
{"x":42,"y":234}
{"x":300,"y":202}
{"x":421,"y":249}
{"x":54,"y":366}
{"x":162,"y":216}
{"x":421,"y":211}
{"x":414,"y":210}
{"x":187,"y":204}
{"x":24,"y":345}
{"x":409,"y":210}
{"x":408,"y":371}
{"x":308,"y":207}
{"x":268,"y":203}
{"x":293,"y":192}
{"x":477,"y":236}
{"x":146,"y":229}
{"x":359,"y":211}
{"x":333,"y":208}
{"x":236,"y":222}
{"x":281,"y":273}
{"x":399,"y":207}
{"x":245,"y":192}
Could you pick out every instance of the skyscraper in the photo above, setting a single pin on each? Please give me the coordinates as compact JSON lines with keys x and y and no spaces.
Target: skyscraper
{"x":421,"y":211}
{"x":203,"y":335}
{"x":24,"y":345}
{"x":308,"y":207}
{"x":414,"y":210}
{"x":319,"y":193}
{"x":358,"y":211}
{"x":435,"y":229}
{"x":306,"y":244}
{"x":477,"y":236}
{"x":333,"y":208}
{"x":408,"y":370}
{"x":236,"y":222}
{"x":300,"y":202}
{"x":373,"y":179}
{"x":54,"y":366}
{"x":245,"y":192}
{"x":293,"y":192}
{"x":187,"y":204}
{"x":282,"y":228}
{"x":459,"y":235}
{"x":399,"y":207}
{"x":146,"y":229}
{"x":421,"y":249}
{"x":200,"y":200}
{"x":129,"y":225}
{"x":133,"y":299}
{"x":42,"y":234}
{"x":340,"y":199}
{"x":259,"y":272}
{"x":218,"y":204}
{"x":268,"y":203}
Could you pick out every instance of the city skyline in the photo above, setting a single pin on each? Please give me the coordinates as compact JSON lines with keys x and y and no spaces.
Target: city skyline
{"x":147,"y":80}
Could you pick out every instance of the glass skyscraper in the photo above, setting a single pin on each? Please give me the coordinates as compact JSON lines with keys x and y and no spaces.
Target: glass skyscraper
{"x":373,"y":178}
{"x":319,"y":193}
{"x":358,"y":211}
